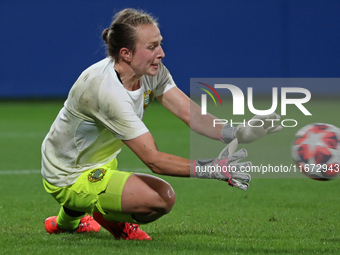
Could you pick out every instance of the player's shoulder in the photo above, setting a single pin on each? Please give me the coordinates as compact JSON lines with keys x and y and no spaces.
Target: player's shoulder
{"x":93,"y":80}
{"x":97,"y":76}
{"x":100,"y":68}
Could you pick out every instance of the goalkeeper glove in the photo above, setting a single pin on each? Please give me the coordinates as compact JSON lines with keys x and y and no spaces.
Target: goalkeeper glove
{"x":257,"y":127}
{"x":226,"y":167}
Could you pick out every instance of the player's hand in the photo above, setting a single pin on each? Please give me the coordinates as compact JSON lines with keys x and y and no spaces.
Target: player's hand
{"x":259,"y":126}
{"x":226,"y":167}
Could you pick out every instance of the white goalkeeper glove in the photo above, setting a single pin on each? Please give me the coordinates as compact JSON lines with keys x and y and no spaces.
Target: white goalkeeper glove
{"x":226,"y":167}
{"x":257,"y":127}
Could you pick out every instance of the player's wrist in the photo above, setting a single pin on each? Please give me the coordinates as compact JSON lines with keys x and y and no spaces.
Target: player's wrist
{"x":202,"y":168}
{"x":228,"y":133}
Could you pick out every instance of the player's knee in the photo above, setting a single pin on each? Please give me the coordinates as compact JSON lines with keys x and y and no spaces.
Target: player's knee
{"x":166,"y":200}
{"x":171,"y":199}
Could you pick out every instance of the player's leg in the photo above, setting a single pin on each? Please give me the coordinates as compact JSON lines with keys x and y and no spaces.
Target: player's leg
{"x":147,"y":197}
{"x":138,"y":198}
{"x":133,"y":198}
{"x":68,"y":219}
{"x":71,"y":221}
{"x":76,"y":200}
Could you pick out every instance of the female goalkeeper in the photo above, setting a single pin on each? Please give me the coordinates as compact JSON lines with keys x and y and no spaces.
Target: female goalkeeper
{"x":104,"y":112}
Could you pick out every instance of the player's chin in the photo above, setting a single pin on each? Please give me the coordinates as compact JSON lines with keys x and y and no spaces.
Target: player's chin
{"x":152,"y":71}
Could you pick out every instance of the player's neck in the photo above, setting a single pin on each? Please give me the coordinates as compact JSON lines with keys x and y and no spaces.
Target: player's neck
{"x":128,"y":77}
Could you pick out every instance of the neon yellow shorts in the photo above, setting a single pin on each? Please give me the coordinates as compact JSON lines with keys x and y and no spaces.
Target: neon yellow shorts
{"x":83,"y":195}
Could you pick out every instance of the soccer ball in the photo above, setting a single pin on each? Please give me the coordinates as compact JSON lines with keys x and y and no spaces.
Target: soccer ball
{"x":316,"y":151}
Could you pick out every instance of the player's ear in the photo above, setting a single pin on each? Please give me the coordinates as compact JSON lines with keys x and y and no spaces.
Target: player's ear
{"x":126,"y":54}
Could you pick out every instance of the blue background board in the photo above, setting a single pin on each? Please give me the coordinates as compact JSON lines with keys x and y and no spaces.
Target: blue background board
{"x":45,"y":45}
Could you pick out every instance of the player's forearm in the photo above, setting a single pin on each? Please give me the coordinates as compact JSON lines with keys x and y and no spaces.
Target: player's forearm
{"x":203,"y":124}
{"x":159,"y":162}
{"x":168,"y":164}
{"x":190,"y":113}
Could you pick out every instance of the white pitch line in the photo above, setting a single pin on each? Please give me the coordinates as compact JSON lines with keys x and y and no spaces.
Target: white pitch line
{"x":8,"y":172}
{"x":35,"y":171}
{"x":32,"y":134}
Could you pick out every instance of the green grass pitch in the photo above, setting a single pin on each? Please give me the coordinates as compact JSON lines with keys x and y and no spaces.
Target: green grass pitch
{"x":275,"y":216}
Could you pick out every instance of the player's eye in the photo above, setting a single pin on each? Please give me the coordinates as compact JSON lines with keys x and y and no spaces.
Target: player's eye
{"x":153,"y":47}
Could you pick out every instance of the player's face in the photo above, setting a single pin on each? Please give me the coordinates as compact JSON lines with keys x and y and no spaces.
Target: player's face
{"x":149,"y":52}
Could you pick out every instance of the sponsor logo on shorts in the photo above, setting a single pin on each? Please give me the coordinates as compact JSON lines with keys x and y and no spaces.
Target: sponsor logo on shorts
{"x":96,"y":175}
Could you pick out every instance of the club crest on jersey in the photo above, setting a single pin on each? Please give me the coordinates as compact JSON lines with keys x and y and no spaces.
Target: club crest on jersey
{"x":148,"y":97}
{"x":96,"y":175}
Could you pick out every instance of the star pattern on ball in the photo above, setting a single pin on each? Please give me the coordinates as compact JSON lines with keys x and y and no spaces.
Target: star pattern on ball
{"x":314,"y":139}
